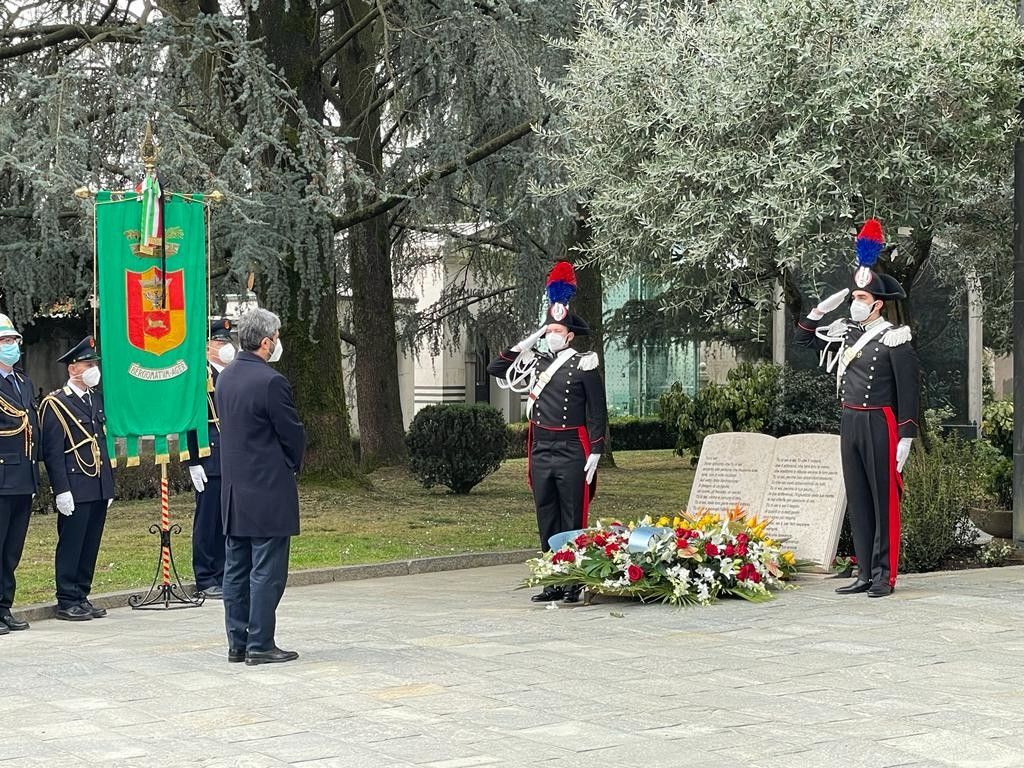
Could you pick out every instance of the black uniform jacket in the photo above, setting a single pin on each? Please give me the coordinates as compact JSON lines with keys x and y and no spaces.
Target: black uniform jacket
{"x":261,"y":448}
{"x":74,"y":445}
{"x":19,"y":437}
{"x":211,"y":463}
{"x":884,"y":373}
{"x":573,"y":398}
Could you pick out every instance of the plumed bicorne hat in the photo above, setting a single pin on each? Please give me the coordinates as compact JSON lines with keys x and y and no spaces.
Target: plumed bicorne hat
{"x":870,"y":245}
{"x":561,"y":289}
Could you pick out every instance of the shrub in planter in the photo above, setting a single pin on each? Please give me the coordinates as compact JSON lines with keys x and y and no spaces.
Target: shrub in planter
{"x":455,"y":445}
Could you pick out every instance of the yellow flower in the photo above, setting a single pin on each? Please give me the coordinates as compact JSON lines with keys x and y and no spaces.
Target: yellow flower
{"x":662,"y":521}
{"x":788,"y":558}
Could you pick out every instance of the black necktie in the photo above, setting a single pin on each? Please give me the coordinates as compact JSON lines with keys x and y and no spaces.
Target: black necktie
{"x":12,"y":382}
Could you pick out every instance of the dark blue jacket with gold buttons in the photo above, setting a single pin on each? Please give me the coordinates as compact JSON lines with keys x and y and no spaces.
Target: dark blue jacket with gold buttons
{"x":74,"y":445}
{"x":573,"y":398}
{"x":884,"y":373}
{"x":19,"y":437}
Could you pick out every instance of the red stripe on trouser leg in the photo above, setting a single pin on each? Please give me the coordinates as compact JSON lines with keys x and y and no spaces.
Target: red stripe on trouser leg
{"x":585,"y":442}
{"x":894,"y":497}
{"x":529,"y":450}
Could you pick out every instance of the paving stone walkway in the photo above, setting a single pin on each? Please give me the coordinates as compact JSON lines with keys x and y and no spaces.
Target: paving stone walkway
{"x":458,"y":669}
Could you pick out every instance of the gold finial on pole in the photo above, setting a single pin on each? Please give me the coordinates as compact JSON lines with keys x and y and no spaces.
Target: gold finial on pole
{"x":149,"y":150}
{"x":216,"y":196}
{"x":83,"y":193}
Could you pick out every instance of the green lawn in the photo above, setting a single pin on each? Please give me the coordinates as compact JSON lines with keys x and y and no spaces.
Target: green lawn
{"x":395,"y":519}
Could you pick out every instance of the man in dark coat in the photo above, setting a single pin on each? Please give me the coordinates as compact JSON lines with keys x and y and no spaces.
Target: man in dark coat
{"x":262,"y":443}
{"x":207,"y":526}
{"x":19,"y":469}
{"x":568,"y":417}
{"x":74,"y":448}
{"x":878,"y":383}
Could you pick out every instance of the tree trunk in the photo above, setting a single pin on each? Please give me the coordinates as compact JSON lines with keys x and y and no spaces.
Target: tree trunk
{"x":589,"y":302}
{"x":312,"y":360}
{"x":381,"y":427}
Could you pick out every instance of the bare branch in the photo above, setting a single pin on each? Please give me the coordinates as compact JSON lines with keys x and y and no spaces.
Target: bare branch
{"x":468,"y":237}
{"x":92,"y":34}
{"x":349,"y":35}
{"x":417,"y":184}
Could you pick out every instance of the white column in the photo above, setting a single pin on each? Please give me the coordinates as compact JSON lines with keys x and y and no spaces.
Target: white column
{"x":974,"y":349}
{"x":778,"y":325}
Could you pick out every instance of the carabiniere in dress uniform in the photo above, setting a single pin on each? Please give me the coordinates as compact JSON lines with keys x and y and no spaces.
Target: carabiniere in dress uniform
{"x":878,"y":383}
{"x":567,"y":414}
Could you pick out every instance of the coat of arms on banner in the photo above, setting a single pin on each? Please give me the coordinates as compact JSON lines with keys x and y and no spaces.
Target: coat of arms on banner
{"x":156,"y":309}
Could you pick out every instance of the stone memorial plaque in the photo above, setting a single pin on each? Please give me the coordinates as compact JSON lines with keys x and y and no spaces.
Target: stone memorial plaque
{"x":805,"y":497}
{"x":733,"y":469}
{"x":795,"y":481}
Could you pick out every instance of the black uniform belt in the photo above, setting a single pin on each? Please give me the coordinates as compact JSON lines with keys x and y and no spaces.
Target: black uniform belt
{"x":555,"y":433}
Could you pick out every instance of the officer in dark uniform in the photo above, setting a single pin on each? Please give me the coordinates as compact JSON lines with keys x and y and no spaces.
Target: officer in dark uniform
{"x":74,"y":449}
{"x":568,"y":419}
{"x":879,"y":387}
{"x":19,"y":471}
{"x":207,"y":526}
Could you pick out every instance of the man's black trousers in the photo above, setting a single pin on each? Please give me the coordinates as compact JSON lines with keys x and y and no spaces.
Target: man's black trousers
{"x":867,"y":440}
{"x":558,"y":481}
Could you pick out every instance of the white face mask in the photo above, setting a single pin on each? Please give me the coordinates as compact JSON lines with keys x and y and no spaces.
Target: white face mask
{"x":226,"y":354}
{"x":91,"y":376}
{"x":556,"y":342}
{"x":860,"y":311}
{"x":278,"y":351}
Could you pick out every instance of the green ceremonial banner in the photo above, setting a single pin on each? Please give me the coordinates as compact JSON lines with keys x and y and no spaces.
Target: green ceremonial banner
{"x":153,"y":323}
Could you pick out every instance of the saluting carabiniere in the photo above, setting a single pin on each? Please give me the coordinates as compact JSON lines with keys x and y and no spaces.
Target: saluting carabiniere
{"x":878,"y":384}
{"x":567,"y":415}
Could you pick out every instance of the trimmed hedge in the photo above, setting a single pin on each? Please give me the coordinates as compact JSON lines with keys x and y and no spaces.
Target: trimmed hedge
{"x":456,"y":445}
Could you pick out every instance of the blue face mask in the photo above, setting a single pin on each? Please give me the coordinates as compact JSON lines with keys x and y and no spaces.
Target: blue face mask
{"x":9,"y":354}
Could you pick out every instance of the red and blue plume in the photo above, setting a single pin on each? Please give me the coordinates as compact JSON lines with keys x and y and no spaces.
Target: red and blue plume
{"x":869,"y":243}
{"x":561,"y":283}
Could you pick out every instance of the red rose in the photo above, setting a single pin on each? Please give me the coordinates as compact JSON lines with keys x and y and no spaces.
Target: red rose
{"x":564,"y":556}
{"x":710,"y":550}
{"x":853,"y":561}
{"x":741,"y":550}
{"x":600,"y":539}
{"x":730,"y":550}
{"x":581,"y":541}
{"x":611,"y":549}
{"x":682,"y":543}
{"x":742,"y":538}
{"x":755,"y":576}
{"x":635,"y":572}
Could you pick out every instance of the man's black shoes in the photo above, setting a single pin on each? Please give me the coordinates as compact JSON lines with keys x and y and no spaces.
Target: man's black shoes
{"x":276,"y":656}
{"x":880,"y":590}
{"x":74,"y":613}
{"x":572,"y":594}
{"x":860,"y":585}
{"x":9,"y":622}
{"x":236,"y":656}
{"x":97,"y":613}
{"x":549,"y":595}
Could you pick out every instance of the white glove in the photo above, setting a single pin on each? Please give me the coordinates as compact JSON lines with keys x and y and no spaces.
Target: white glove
{"x":902,"y":452}
{"x":109,"y":502}
{"x":827,"y":305}
{"x":65,"y":503}
{"x":530,"y":340}
{"x":199,"y":478}
{"x":591,"y":466}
